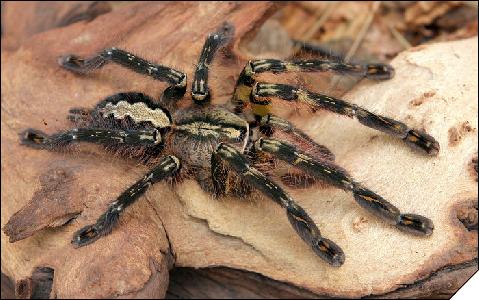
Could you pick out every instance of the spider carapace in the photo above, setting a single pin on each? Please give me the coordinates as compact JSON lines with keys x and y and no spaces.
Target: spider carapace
{"x":218,"y":146}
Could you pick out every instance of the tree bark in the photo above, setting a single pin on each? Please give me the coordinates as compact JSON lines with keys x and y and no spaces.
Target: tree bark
{"x":46,"y":196}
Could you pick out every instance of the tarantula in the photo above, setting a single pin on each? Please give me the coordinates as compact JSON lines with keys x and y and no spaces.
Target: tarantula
{"x":223,"y":148}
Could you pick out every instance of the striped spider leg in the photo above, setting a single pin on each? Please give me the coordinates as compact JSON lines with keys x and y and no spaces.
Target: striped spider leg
{"x":415,"y":138}
{"x":275,"y":127}
{"x":246,"y":80}
{"x":199,"y":90}
{"x":168,"y":166}
{"x":135,"y":106}
{"x":337,"y":176}
{"x":299,"y":219}
{"x":176,"y":79}
{"x":270,"y":124}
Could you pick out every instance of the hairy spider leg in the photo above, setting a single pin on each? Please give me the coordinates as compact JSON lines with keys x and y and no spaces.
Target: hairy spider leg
{"x":415,"y":138}
{"x":270,"y":123}
{"x":167,"y":167}
{"x":79,"y":116}
{"x":316,"y":49}
{"x":246,"y":80}
{"x":339,"y":177}
{"x":176,"y":79}
{"x":38,"y":139}
{"x":199,"y":90}
{"x":275,"y":127}
{"x":299,"y":219}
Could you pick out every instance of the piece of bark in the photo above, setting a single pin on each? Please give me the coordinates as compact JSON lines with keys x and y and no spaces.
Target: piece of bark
{"x":186,"y":227}
{"x":20,"y":20}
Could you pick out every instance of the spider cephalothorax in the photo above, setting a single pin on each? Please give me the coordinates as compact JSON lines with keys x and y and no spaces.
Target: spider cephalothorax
{"x":218,"y":146}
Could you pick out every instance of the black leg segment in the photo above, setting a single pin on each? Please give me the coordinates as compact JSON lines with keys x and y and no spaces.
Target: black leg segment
{"x":167,"y":167}
{"x":338,"y":177}
{"x":200,"y":91}
{"x":415,"y":138}
{"x":246,"y":80}
{"x":37,"y":139}
{"x":269,"y":124}
{"x":176,"y":79}
{"x":299,"y":219}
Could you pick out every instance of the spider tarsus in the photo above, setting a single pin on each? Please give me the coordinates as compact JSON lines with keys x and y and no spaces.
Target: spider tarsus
{"x":34,"y":138}
{"x":375,"y":204}
{"x":422,"y":141}
{"x":80,"y":65}
{"x":70,"y":60}
{"x":415,"y":224}
{"x":85,"y":236}
{"x":90,"y":233}
{"x":379,"y":71}
{"x":329,"y":251}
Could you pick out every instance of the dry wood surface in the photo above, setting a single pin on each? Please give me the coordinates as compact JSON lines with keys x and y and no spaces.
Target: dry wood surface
{"x":246,"y":246}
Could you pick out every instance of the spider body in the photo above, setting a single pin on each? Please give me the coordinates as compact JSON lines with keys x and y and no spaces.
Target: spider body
{"x":198,"y":131}
{"x":228,"y":150}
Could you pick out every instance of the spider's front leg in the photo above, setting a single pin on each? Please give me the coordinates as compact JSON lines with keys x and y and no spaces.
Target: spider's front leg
{"x":338,"y":177}
{"x":414,"y":138}
{"x":299,"y":219}
{"x":199,"y":90}
{"x":167,"y":167}
{"x":176,"y":79}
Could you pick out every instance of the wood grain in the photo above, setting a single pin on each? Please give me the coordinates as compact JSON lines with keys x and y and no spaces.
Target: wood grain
{"x":183,"y":226}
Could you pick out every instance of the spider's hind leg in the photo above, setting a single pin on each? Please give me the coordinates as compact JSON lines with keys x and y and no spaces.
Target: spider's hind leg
{"x":275,"y":126}
{"x":339,"y":177}
{"x":299,"y":219}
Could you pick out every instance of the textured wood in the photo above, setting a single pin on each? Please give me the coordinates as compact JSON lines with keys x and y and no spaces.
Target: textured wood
{"x":435,"y":88}
{"x":20,"y":20}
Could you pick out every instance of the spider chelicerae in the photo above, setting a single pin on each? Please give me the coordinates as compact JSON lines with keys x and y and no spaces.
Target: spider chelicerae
{"x":224,"y":147}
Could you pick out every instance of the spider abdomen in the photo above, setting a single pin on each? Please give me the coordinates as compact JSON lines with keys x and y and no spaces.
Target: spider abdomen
{"x":138,"y":107}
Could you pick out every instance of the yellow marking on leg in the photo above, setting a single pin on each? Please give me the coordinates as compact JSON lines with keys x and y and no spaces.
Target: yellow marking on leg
{"x":412,"y":138}
{"x":290,"y":67}
{"x":261,"y":109}
{"x":242,"y":94}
